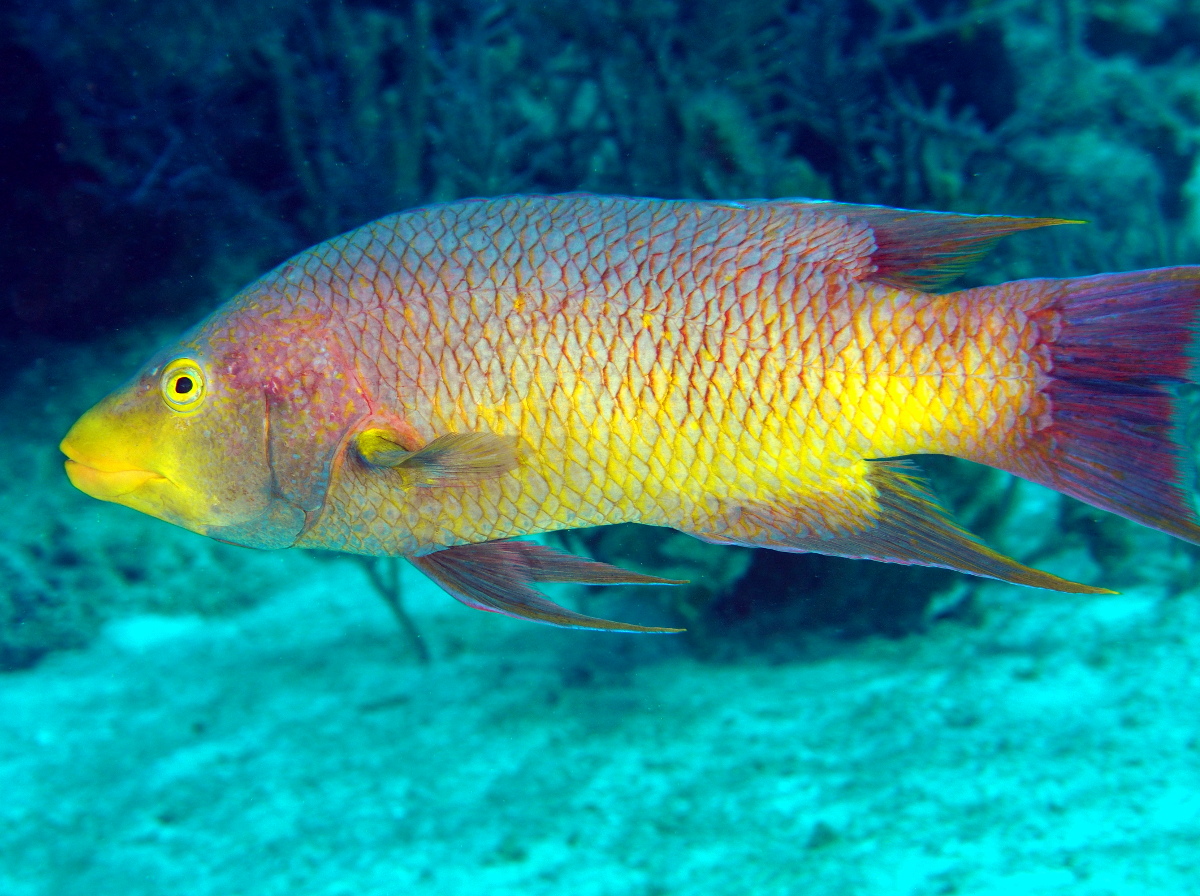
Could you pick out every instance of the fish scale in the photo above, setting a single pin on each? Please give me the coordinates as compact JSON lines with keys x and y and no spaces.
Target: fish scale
{"x":584,"y":389}
{"x":439,"y":381}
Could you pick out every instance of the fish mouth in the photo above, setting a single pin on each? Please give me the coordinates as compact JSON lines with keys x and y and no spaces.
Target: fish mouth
{"x":107,"y":485}
{"x":101,"y":478}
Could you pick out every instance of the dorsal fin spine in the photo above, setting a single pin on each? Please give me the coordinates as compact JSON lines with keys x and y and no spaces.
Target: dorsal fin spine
{"x":924,"y":250}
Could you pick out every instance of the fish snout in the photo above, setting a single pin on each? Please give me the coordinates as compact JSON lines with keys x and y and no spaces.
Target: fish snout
{"x":94,"y":468}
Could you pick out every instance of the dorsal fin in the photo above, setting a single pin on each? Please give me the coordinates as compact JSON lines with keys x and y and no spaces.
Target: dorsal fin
{"x":925,"y":250}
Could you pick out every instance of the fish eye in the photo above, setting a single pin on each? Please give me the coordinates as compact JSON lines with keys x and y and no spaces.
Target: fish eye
{"x":183,"y":385}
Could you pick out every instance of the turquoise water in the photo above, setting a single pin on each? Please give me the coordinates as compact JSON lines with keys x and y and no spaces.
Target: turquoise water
{"x":182,"y":716}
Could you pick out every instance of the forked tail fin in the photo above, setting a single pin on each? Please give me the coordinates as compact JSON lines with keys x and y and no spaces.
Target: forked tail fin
{"x":1118,"y":344}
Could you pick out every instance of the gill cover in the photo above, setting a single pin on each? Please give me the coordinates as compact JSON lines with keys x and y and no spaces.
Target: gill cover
{"x":279,"y":349}
{"x":313,"y":403}
{"x":232,"y":433}
{"x":186,"y":443}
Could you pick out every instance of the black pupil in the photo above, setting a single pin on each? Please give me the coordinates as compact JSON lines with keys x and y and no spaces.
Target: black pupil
{"x":183,"y":385}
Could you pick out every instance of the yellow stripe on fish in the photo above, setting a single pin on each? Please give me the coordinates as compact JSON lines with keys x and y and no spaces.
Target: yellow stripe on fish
{"x":442,"y":380}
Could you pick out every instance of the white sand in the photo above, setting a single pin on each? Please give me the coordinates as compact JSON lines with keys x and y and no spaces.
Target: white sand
{"x":298,"y":749}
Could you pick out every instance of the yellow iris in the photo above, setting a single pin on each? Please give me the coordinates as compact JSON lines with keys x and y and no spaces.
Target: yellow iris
{"x":183,"y":386}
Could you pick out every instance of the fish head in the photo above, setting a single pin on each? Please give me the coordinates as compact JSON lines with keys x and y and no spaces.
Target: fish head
{"x":229,"y":433}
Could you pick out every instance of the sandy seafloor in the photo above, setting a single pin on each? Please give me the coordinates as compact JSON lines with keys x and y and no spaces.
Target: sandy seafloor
{"x":1052,"y":746}
{"x":298,"y":748}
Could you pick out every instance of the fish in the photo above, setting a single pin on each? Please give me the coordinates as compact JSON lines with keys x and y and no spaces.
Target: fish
{"x":443,"y":381}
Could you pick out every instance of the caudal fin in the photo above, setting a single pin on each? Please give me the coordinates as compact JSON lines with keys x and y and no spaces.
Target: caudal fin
{"x":1118,"y":344}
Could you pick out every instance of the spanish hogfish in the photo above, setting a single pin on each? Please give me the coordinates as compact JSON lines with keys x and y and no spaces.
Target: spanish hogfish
{"x":437,"y":382}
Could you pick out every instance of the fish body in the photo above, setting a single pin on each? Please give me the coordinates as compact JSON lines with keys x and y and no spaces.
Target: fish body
{"x":662,"y":363}
{"x":441,"y":380}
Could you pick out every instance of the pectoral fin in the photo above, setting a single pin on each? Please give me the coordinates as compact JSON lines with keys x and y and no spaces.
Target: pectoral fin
{"x":497,"y":575}
{"x":452,"y":459}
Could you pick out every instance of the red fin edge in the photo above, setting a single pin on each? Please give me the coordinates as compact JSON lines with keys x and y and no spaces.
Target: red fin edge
{"x":1114,"y":440}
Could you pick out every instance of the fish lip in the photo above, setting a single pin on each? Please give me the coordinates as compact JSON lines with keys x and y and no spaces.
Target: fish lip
{"x":107,"y":484}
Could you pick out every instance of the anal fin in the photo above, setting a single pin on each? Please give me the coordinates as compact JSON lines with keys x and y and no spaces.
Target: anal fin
{"x":908,"y":525}
{"x":497,"y":576}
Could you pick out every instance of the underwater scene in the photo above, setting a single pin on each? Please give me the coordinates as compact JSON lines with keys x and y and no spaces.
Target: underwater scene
{"x":804,"y":388}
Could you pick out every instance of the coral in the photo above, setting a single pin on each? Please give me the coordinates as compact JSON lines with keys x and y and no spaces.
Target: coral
{"x":384,"y":575}
{"x":271,"y":127}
